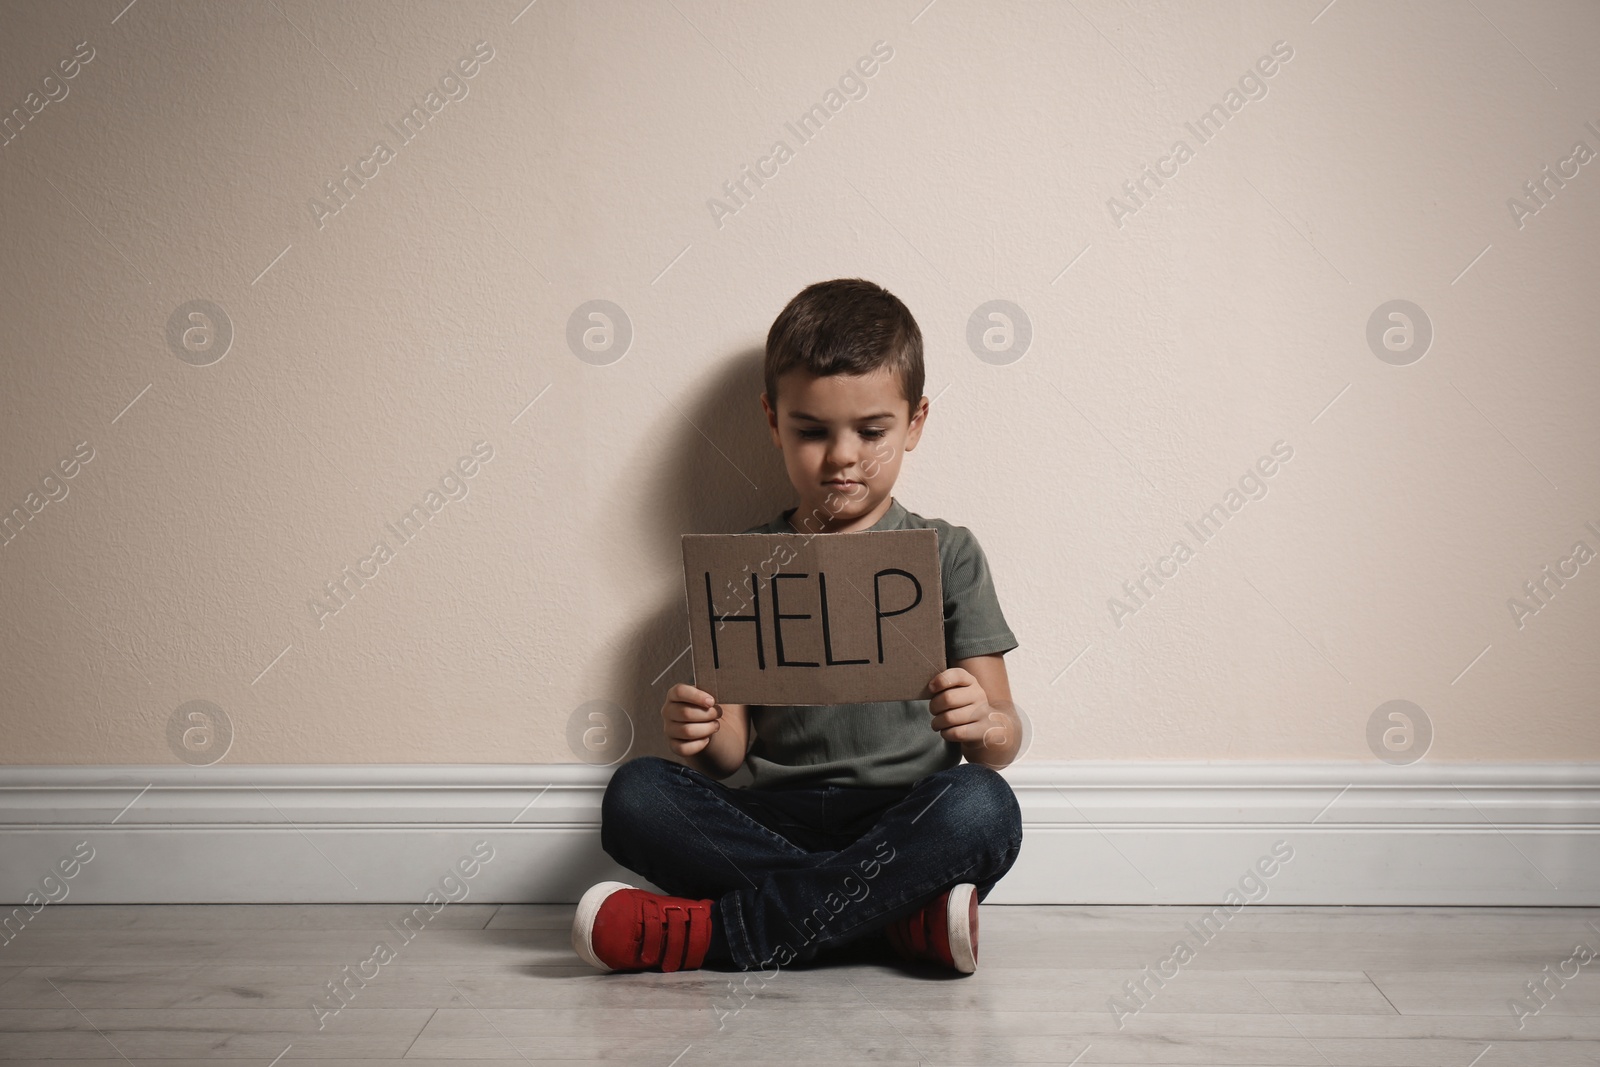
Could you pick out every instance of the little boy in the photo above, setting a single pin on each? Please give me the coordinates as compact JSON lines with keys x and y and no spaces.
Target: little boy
{"x":860,"y":819}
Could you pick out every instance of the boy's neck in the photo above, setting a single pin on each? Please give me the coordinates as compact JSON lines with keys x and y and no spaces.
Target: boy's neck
{"x":856,"y":525}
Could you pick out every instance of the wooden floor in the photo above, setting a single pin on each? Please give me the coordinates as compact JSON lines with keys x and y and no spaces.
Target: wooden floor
{"x":1372,"y":987}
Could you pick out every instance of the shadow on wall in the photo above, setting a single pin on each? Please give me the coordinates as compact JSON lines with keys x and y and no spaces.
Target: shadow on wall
{"x":725,"y":485}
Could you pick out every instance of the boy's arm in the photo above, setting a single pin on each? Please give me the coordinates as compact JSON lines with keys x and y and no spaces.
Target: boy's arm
{"x":988,"y":728}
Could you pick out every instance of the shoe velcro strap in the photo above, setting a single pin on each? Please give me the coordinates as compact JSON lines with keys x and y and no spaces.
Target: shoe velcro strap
{"x":650,"y":944}
{"x":919,"y":933}
{"x":676,"y":925}
{"x":688,"y":935}
{"x":698,"y":934}
{"x":939,"y":933}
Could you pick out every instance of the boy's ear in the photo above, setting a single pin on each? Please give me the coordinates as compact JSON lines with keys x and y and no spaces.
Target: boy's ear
{"x":919,"y":418}
{"x":772,"y":419}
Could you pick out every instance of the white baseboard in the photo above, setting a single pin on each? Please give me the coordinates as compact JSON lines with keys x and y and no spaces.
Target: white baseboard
{"x":1106,"y":833}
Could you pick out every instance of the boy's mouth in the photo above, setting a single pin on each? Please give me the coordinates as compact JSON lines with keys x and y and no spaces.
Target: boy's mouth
{"x":841,"y":484}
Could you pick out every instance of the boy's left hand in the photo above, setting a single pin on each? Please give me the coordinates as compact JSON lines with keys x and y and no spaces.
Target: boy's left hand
{"x":958,"y":704}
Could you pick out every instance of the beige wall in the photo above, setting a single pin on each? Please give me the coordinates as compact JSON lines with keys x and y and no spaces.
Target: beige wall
{"x":1226,"y":313}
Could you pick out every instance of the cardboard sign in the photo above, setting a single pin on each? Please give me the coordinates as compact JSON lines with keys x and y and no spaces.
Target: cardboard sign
{"x":815,"y":618}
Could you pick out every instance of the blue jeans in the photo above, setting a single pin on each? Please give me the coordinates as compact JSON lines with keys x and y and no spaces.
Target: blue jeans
{"x":796,"y":871}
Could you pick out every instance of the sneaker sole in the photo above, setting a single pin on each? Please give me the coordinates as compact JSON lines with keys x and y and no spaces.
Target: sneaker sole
{"x":960,"y":918}
{"x":583,"y":921}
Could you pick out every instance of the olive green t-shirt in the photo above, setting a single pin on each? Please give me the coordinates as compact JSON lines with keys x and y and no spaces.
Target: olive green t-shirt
{"x":887,"y":743}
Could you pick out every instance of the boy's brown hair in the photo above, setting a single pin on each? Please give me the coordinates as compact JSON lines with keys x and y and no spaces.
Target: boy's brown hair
{"x":845,"y":326}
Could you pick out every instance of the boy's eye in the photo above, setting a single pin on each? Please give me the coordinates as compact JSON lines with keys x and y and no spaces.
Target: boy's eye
{"x":812,"y":435}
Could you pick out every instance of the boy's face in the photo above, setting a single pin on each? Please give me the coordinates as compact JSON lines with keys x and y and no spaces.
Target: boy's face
{"x":842,"y":438}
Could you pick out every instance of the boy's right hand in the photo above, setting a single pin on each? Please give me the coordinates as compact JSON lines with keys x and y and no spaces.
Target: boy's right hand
{"x":689,"y":717}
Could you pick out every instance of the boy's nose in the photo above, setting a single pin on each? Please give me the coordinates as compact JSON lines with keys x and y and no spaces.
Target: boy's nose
{"x":841,"y":460}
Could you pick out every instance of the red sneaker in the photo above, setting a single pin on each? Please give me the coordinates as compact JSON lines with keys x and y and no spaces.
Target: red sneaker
{"x":944,"y":931}
{"x":622,"y":928}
